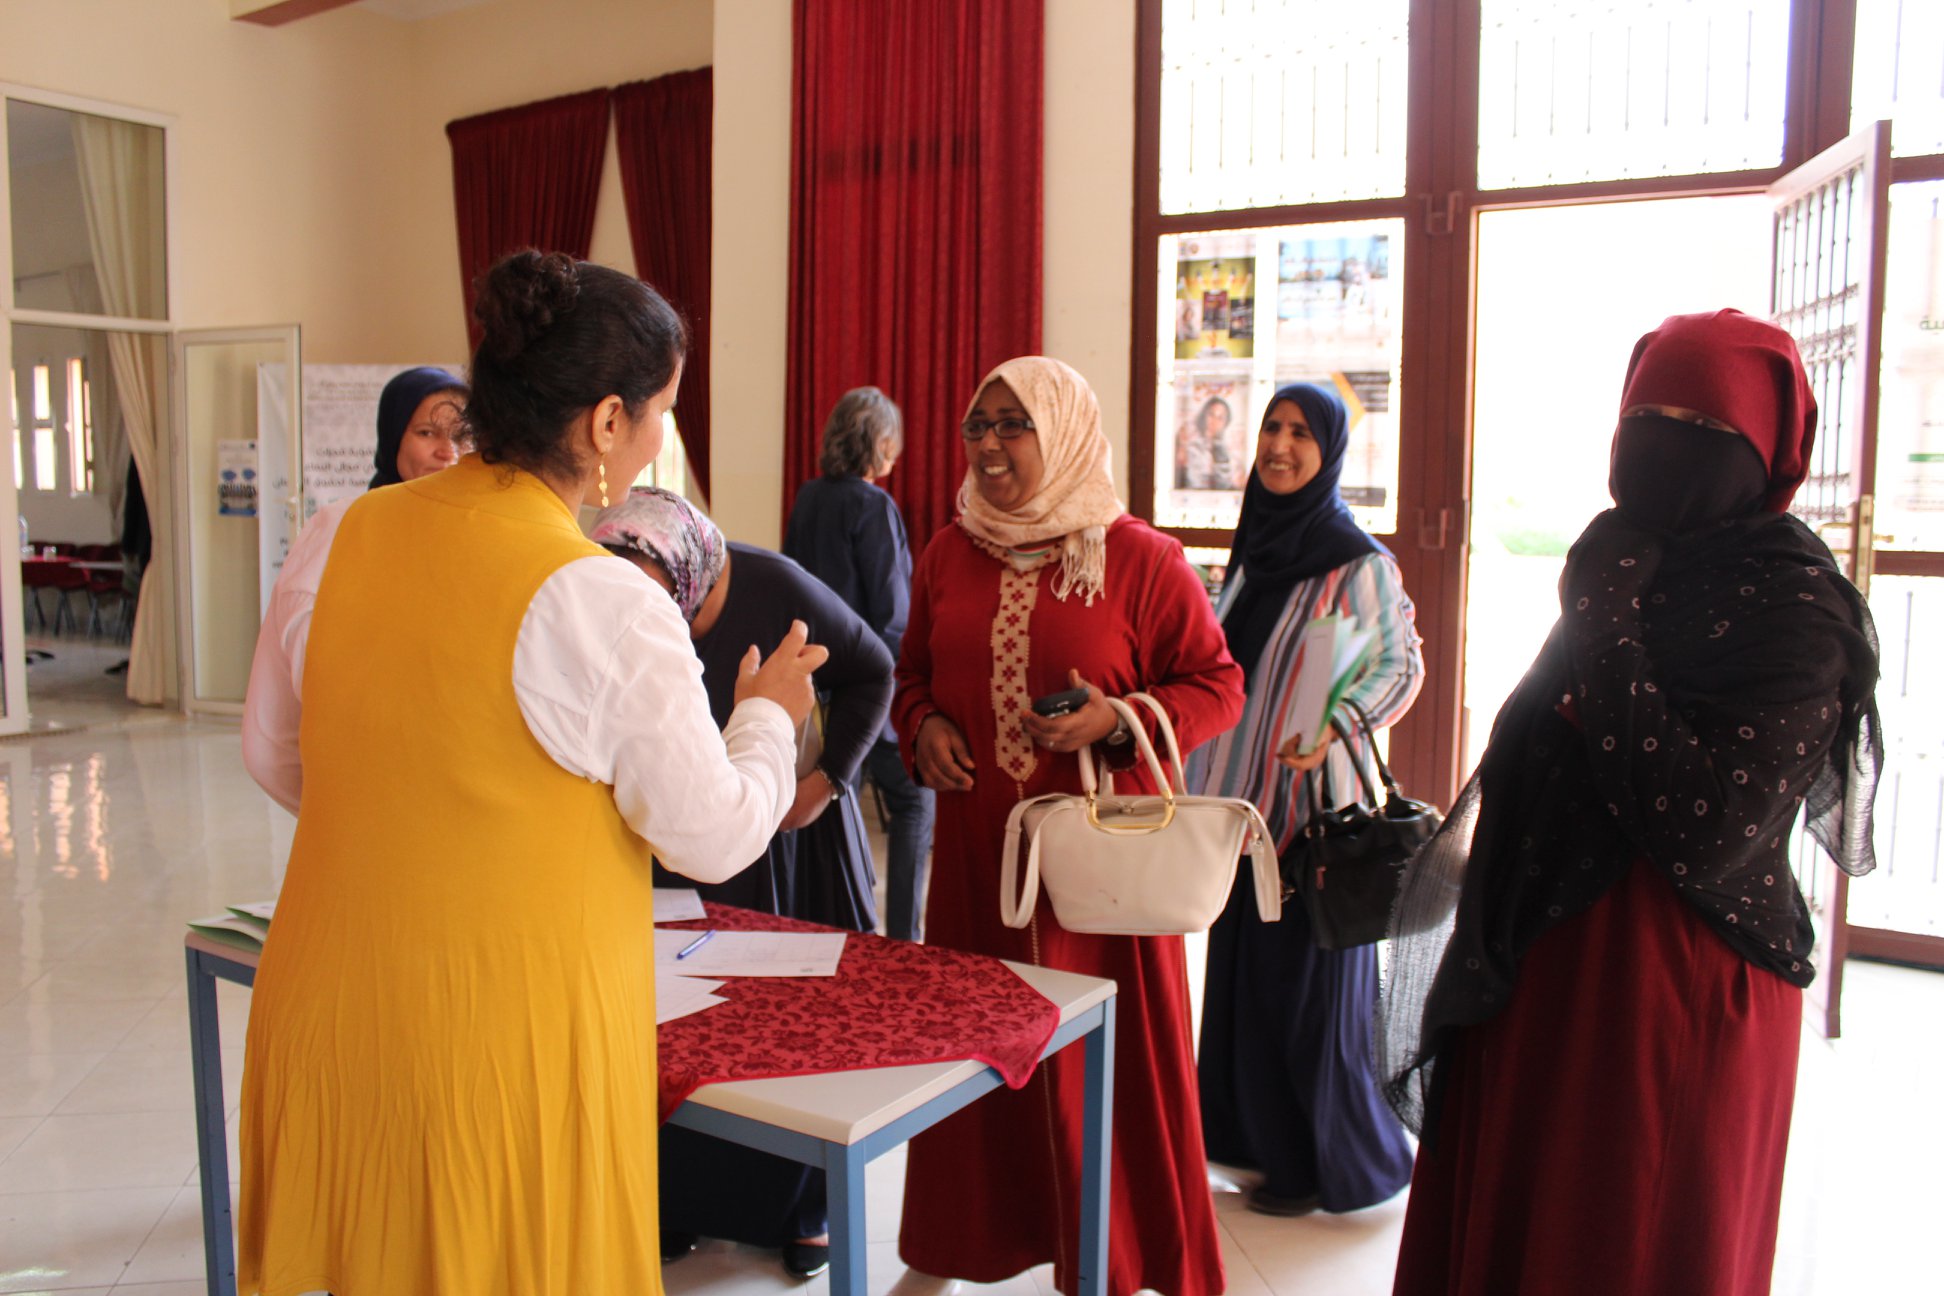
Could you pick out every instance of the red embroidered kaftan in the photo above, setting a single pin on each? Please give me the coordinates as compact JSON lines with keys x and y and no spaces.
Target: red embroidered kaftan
{"x":994,"y":1190}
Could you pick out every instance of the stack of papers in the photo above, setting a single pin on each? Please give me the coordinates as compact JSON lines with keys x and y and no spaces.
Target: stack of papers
{"x":1334,"y":653}
{"x":677,"y":904}
{"x":689,"y":964}
{"x":749,"y":954}
{"x":240,"y":926}
{"x":678,"y":996}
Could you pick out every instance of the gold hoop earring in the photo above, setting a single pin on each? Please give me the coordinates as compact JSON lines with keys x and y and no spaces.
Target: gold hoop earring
{"x":604,"y":498}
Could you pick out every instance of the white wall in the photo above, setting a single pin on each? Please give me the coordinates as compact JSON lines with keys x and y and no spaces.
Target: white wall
{"x":313,"y":177}
{"x":749,"y":270}
{"x":1088,"y":320}
{"x":287,"y":204}
{"x":1088,"y":235}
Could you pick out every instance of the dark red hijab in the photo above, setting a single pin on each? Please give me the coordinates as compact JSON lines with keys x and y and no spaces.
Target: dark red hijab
{"x":1741,"y":371}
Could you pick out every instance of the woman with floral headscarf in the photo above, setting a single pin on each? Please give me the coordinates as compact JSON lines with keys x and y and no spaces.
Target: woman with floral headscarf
{"x":1599,"y":1045}
{"x":817,"y":865}
{"x":1287,"y":1085}
{"x":1042,"y":584}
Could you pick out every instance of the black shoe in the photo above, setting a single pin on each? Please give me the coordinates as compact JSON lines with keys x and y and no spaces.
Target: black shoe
{"x":676,"y":1245}
{"x":1264,"y":1202}
{"x":805,"y":1259}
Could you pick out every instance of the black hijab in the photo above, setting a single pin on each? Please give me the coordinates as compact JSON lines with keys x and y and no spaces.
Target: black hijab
{"x":396,"y":405}
{"x":1282,"y":540}
{"x":1711,"y":674}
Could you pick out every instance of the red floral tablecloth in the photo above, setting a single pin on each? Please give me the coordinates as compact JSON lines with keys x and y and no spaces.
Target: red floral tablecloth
{"x":892,"y":1003}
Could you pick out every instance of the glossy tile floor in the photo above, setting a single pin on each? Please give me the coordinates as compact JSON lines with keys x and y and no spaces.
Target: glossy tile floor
{"x":111,"y":837}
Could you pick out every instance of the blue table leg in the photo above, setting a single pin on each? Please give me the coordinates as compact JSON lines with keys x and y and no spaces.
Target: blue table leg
{"x":212,"y":1142}
{"x":1096,"y":1183}
{"x":844,"y":1169}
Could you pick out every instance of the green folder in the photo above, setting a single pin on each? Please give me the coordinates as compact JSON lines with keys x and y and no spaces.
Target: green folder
{"x":1335,"y":653}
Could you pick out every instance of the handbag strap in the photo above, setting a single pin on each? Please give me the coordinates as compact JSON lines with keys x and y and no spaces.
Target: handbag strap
{"x":1322,"y":772}
{"x":1166,"y":726}
{"x":1370,"y":741}
{"x":1016,"y":903}
{"x":1138,"y":732}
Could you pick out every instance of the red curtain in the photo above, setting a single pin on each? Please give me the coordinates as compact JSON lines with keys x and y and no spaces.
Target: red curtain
{"x":915,"y":240}
{"x":526,"y":177}
{"x":662,"y":134}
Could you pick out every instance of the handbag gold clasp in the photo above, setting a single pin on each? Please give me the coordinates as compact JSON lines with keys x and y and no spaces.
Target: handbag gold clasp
{"x":1131,"y":830}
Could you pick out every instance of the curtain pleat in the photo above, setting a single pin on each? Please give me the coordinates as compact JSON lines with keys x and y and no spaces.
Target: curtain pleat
{"x":915,"y":240}
{"x":663,"y":133}
{"x":526,"y":177}
{"x":121,"y":193}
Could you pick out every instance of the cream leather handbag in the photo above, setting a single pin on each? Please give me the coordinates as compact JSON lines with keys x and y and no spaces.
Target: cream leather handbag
{"x":1149,"y":865}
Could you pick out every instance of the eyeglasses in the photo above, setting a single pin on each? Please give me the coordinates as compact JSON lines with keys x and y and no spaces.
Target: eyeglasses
{"x":1006,"y":429}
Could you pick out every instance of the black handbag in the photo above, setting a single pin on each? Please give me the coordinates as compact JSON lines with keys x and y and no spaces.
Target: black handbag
{"x":1348,"y":862}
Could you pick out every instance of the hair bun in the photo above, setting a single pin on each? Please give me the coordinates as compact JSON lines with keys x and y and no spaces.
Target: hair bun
{"x":519,"y":299}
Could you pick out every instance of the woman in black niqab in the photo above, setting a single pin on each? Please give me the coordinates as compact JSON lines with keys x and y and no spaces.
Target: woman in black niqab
{"x":1595,"y":995}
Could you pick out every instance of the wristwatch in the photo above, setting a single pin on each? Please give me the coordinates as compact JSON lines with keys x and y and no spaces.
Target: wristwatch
{"x":1121,"y":734}
{"x":836,"y":785}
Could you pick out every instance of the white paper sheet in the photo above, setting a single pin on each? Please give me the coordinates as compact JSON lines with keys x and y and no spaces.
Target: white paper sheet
{"x":678,"y":996}
{"x":677,"y":904}
{"x":750,"y":954}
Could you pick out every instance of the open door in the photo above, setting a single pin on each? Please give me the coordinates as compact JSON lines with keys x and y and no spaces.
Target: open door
{"x":13,"y":648}
{"x":225,"y":510}
{"x":1829,"y":253}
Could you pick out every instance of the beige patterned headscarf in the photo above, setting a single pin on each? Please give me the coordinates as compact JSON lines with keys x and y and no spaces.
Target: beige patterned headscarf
{"x":1075,"y":502}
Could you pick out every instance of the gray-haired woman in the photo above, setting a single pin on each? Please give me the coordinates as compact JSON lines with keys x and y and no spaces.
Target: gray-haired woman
{"x":847,"y":532}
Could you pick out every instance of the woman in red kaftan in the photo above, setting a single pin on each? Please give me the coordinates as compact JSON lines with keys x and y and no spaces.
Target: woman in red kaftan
{"x":1042,"y":582}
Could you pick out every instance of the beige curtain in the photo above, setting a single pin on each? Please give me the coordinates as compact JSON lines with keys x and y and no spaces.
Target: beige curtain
{"x":122,"y":192}
{"x":110,"y":444}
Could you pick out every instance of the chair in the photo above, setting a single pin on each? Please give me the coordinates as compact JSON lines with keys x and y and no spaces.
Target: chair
{"x":102,"y":584}
{"x":67,"y":579}
{"x":35,"y":577}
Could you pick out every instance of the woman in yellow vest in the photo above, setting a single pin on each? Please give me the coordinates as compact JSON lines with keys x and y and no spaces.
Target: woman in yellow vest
{"x":449,"y":1083}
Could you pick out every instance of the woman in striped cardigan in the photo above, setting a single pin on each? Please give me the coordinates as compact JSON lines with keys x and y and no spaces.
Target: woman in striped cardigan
{"x":1287,"y":1081}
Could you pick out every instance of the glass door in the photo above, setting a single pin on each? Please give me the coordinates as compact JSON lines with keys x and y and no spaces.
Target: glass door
{"x":1827,"y":289}
{"x":1898,"y":911}
{"x":221,"y":501}
{"x":1546,"y":392}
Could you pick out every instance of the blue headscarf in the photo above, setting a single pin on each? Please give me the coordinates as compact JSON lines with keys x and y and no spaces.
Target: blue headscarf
{"x":396,"y":405}
{"x":1285,"y":539}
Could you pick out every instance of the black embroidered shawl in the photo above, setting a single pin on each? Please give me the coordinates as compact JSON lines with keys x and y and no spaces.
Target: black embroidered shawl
{"x":1695,"y":693}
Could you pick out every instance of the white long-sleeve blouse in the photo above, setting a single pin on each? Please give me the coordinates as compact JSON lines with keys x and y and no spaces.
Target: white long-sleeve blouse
{"x":609,"y":685}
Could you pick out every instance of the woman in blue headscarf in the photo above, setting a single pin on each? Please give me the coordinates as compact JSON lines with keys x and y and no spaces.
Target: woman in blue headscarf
{"x":1287,"y":1080}
{"x":421,"y":426}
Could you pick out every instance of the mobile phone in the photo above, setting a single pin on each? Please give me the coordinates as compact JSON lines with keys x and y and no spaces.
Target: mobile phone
{"x":1059,"y":704}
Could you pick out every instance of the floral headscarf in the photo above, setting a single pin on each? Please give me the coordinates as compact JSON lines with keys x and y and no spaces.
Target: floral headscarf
{"x":672,"y":531}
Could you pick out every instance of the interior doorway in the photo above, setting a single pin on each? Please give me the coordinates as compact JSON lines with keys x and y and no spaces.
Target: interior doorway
{"x":82,"y":548}
{"x":84,"y":248}
{"x":1564,"y":293}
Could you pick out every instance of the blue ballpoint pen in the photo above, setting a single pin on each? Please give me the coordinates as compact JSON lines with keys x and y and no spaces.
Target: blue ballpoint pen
{"x":695,"y":944}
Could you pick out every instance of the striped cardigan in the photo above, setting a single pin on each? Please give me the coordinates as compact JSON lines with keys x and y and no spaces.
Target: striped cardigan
{"x":1242,"y":762}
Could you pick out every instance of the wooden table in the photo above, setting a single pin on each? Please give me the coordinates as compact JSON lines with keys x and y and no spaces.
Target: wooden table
{"x":839,"y":1122}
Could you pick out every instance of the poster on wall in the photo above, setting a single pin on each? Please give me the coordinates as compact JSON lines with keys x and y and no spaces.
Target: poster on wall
{"x":341,"y":429}
{"x":276,"y":524}
{"x":1212,"y":422}
{"x":1214,"y":308}
{"x":236,"y":479}
{"x":1333,"y":289}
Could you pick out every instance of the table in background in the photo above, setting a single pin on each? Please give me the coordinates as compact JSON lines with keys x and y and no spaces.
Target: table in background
{"x":838,"y":1122}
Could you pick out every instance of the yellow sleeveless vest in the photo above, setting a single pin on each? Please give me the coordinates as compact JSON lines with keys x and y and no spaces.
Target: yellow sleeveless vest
{"x":450,"y":1077}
